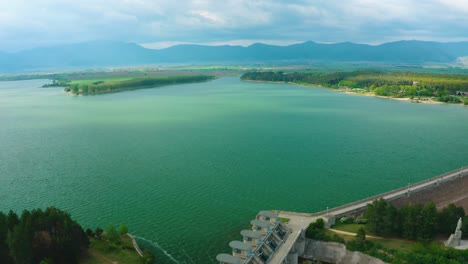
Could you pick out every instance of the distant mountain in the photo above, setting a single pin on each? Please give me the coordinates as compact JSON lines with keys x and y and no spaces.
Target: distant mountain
{"x":105,"y":53}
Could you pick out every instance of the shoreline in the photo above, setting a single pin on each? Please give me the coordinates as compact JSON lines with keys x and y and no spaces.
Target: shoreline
{"x":135,"y":245}
{"x":347,"y":91}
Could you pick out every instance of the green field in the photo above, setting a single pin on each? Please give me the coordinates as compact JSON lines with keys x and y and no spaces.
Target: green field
{"x":103,"y":79}
{"x":391,"y":243}
{"x":353,"y":228}
{"x":103,"y":252}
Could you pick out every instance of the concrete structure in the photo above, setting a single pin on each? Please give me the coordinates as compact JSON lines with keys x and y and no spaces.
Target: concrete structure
{"x":455,"y":238}
{"x":260,"y":244}
{"x":240,"y":249}
{"x":288,"y":241}
{"x":267,"y":216}
{"x":331,"y":252}
{"x":228,"y":259}
{"x":261,"y":226}
{"x":252,"y":238}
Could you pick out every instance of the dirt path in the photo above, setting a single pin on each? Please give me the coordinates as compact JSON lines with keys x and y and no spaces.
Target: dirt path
{"x":352,"y":234}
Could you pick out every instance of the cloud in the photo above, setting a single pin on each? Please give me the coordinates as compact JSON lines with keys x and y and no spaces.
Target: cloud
{"x":31,"y":23}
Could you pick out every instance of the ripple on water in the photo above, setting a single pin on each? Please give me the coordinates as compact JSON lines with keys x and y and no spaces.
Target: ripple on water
{"x":187,"y":167}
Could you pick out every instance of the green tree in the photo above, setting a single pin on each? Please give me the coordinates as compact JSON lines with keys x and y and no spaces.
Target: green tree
{"x":98,"y":233}
{"x":381,"y":217}
{"x":465,"y":227}
{"x":315,"y":230}
{"x":4,"y":251}
{"x":111,"y":234}
{"x":448,"y":218}
{"x":428,"y":225}
{"x":148,"y":258}
{"x":123,"y":229}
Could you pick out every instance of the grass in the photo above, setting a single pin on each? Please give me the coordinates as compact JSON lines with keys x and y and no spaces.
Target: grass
{"x":397,"y":244}
{"x":353,"y":228}
{"x":103,"y":79}
{"x":391,"y":243}
{"x":104,"y":252}
{"x":283,"y":219}
{"x":331,"y":233}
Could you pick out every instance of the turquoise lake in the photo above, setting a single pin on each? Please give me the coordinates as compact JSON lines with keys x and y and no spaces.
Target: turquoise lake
{"x":186,"y":167}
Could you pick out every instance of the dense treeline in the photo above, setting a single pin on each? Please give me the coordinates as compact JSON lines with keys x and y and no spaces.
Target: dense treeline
{"x":394,"y":84}
{"x":114,"y":86}
{"x":416,"y":222}
{"x":57,"y":83}
{"x":50,"y":236}
{"x":422,"y":253}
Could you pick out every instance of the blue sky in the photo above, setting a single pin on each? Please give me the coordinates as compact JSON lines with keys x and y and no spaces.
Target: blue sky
{"x":26,"y":24}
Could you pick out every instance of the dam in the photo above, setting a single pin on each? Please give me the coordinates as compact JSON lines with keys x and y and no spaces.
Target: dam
{"x":442,"y":190}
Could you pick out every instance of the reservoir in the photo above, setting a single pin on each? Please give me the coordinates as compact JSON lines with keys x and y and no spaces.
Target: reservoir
{"x":186,"y":167}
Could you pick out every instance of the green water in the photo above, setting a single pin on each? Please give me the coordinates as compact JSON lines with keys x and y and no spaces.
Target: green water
{"x":188,"y":166}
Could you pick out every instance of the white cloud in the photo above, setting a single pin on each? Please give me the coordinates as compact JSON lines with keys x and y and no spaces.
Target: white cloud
{"x":29,"y":23}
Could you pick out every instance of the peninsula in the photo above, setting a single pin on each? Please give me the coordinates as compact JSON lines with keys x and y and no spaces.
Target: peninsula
{"x":418,"y":87}
{"x":111,"y":84}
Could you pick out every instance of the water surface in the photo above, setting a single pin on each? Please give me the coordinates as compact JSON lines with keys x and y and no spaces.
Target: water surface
{"x":187,"y":166}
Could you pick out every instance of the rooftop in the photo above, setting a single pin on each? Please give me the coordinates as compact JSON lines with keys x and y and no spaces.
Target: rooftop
{"x":226,"y":258}
{"x":268,"y":214}
{"x":239,"y":245}
{"x":250,"y":233}
{"x":260,"y":223}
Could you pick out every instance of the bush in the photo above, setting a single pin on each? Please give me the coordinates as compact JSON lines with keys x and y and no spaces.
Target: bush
{"x":98,"y":233}
{"x":148,"y":258}
{"x":112,"y":235}
{"x":89,"y":232}
{"x":361,"y":221}
{"x":346,"y":220}
{"x":315,"y":230}
{"x":123,"y":229}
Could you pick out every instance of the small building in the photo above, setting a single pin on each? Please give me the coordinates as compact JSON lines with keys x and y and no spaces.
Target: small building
{"x":228,"y":259}
{"x":240,"y":249}
{"x":260,"y":226}
{"x":251,"y":237}
{"x":267,"y":216}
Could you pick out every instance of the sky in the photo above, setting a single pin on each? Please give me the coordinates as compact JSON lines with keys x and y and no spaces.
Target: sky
{"x":26,"y":24}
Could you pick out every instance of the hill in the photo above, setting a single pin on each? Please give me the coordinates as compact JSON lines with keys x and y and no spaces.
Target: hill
{"x":107,"y":53}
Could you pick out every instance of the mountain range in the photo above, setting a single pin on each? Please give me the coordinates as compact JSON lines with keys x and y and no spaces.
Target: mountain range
{"x":108,"y":53}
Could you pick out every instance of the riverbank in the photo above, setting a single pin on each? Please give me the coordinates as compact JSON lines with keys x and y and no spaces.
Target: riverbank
{"x":428,"y":88}
{"x":103,"y":251}
{"x":420,"y":100}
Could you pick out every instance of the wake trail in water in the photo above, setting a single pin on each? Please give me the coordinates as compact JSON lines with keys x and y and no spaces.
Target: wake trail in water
{"x":155,"y":244}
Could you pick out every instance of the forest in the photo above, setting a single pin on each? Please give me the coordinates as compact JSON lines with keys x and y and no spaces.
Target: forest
{"x":84,"y":87}
{"x":41,"y":236}
{"x":450,"y":88}
{"x":406,"y":235}
{"x":415,"y":222}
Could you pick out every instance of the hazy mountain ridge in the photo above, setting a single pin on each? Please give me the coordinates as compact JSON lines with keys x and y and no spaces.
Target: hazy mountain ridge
{"x":107,"y":53}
